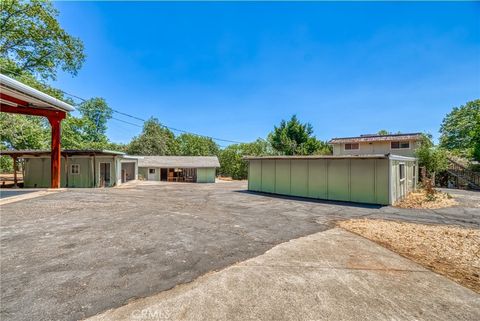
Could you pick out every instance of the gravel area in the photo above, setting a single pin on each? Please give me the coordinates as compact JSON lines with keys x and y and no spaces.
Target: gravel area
{"x":448,"y":250}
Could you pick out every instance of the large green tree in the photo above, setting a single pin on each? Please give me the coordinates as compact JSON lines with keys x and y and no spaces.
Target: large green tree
{"x":433,"y":158}
{"x":155,"y":139}
{"x":95,"y":115}
{"x":194,"y":145}
{"x":33,"y":41}
{"x":231,"y":159}
{"x":460,"y":130}
{"x":295,"y":138}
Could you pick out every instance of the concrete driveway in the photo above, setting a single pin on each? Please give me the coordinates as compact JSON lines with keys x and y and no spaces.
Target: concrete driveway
{"x":312,"y":278}
{"x":76,"y":253}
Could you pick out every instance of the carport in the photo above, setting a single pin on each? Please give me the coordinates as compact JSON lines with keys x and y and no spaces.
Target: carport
{"x":374,"y":179}
{"x":18,"y":98}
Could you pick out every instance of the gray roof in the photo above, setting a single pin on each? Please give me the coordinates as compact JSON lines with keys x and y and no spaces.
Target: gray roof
{"x":307,"y":157}
{"x":178,"y":161}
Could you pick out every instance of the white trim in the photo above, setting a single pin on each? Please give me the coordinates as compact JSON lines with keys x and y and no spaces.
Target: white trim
{"x":22,"y":89}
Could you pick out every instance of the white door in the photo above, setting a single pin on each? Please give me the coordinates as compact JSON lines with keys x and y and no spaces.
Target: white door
{"x":152,"y":174}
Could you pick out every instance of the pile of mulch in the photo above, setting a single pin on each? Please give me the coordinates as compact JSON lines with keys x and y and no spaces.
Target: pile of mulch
{"x":420,"y":199}
{"x":451,"y":251}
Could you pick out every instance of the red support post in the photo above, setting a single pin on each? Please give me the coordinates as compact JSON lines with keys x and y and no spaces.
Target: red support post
{"x":56,"y":153}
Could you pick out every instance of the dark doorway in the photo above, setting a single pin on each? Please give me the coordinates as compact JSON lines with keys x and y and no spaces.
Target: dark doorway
{"x":163,"y":174}
{"x":104,"y":174}
{"x":128,"y":172}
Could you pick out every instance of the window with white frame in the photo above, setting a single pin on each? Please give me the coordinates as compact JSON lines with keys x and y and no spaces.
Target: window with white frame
{"x":401,"y":171}
{"x":352,"y":146}
{"x":151,"y":170}
{"x":75,"y":169}
{"x":399,"y":145}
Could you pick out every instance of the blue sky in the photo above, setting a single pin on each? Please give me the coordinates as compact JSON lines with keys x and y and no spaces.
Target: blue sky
{"x":234,"y":70}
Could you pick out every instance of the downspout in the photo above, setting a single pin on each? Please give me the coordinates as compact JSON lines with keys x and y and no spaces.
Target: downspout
{"x":390,"y":192}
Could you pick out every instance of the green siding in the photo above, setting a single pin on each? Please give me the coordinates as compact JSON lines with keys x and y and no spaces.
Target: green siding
{"x":142,"y":173}
{"x":255,"y":171}
{"x":205,"y":175}
{"x":381,"y":181}
{"x":282,"y":177}
{"x":356,"y":180}
{"x":299,"y":178}
{"x":338,"y":176}
{"x":268,"y":176}
{"x":362,"y":181}
{"x":84,"y":178}
{"x":317,"y":178}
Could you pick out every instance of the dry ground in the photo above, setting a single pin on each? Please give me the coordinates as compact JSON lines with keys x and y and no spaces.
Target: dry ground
{"x":420,"y":200}
{"x":448,"y":250}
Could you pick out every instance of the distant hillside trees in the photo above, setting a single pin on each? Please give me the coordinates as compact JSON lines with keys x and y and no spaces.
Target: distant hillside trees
{"x":194,"y":145}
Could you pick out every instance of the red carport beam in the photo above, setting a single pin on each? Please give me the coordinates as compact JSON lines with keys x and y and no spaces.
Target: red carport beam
{"x":55,"y":118}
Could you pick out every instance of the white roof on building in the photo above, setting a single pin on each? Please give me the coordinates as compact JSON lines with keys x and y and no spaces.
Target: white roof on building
{"x":178,"y":161}
{"x":32,"y":96}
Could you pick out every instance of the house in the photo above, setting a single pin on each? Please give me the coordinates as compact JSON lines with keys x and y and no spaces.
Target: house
{"x":79,"y":168}
{"x":397,"y":144}
{"x":376,"y":179}
{"x":195,"y":169}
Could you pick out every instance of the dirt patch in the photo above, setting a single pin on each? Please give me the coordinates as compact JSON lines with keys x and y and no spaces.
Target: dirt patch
{"x":450,"y":251}
{"x":420,"y":199}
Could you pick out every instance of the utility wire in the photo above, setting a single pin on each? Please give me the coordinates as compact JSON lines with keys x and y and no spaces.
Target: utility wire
{"x":140,"y":119}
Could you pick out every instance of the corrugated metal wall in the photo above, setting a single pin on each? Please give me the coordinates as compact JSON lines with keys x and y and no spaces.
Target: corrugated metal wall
{"x":355,"y":180}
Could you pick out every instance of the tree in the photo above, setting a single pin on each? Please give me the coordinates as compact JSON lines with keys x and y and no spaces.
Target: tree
{"x":460,"y":130}
{"x":154,"y":140}
{"x":231,"y":159}
{"x":433,"y":158}
{"x":95,"y":114}
{"x":294,"y":138}
{"x":383,"y":132}
{"x":194,"y":145}
{"x":33,"y":40}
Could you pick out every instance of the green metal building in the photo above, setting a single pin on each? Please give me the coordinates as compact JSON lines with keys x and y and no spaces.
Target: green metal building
{"x":375,"y":179}
{"x":193,"y":169}
{"x":79,"y":168}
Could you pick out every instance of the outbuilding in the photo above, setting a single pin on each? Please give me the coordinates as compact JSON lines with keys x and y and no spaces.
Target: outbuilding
{"x":193,"y":169}
{"x":79,"y":168}
{"x":374,"y":179}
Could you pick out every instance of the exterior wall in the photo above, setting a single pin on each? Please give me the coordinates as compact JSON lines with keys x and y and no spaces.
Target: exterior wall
{"x":206,"y":175}
{"x":37,"y":171}
{"x":118,"y":166}
{"x":355,"y":180}
{"x":376,"y":148}
{"x":400,"y":188}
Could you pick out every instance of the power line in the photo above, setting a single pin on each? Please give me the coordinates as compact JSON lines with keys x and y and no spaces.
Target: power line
{"x":140,"y":119}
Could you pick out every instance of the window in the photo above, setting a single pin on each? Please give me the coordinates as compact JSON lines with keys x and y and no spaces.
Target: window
{"x":351,"y":146}
{"x":401,"y":171}
{"x":400,"y":145}
{"x":75,"y":169}
{"x":151,"y":171}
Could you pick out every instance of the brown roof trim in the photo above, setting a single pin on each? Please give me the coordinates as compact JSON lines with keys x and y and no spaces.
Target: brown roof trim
{"x":376,"y":138}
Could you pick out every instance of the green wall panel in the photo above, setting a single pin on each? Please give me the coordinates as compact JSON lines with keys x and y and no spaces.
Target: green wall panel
{"x":205,"y":175}
{"x":268,"y":176}
{"x":338,"y":179}
{"x":362,"y":180}
{"x":317,"y":178}
{"x":282,"y":177}
{"x":255,"y":175}
{"x":381,"y":181}
{"x":299,"y":178}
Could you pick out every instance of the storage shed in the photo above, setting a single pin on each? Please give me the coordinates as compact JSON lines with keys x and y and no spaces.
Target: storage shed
{"x":375,"y":179}
{"x":193,"y":169}
{"x":79,"y":168}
